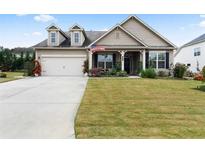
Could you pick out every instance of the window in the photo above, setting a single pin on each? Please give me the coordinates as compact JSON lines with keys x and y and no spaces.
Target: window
{"x":53,"y":38}
{"x":105,"y":61}
{"x":157,"y":60}
{"x":152,"y":60}
{"x":188,"y":65}
{"x":161,"y":60}
{"x":76,"y":38}
{"x":197,"y":52}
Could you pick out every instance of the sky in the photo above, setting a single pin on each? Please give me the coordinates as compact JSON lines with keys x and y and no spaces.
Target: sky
{"x":25,"y":30}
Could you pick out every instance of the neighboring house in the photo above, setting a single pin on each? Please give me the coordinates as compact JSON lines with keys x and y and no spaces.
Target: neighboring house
{"x":131,"y":45}
{"x":192,"y":54}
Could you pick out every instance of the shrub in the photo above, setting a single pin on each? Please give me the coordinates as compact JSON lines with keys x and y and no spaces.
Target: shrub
{"x":29,"y":66}
{"x":113,"y":72}
{"x":95,"y":72}
{"x":148,"y":73}
{"x":3,"y":75}
{"x":189,"y":73}
{"x":85,"y":66}
{"x":122,"y":74}
{"x":179,"y":70}
{"x":202,"y":88}
{"x":198,"y":76}
{"x":163,"y":73}
{"x":203,"y":71}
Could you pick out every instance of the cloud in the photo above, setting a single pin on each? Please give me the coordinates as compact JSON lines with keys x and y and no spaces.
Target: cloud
{"x":36,"y":33}
{"x":44,"y":18}
{"x":202,"y":23}
{"x":202,"y":15}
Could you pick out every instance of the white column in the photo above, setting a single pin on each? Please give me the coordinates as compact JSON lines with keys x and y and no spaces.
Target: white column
{"x":90,"y":59}
{"x":122,"y":60}
{"x":143,"y":60}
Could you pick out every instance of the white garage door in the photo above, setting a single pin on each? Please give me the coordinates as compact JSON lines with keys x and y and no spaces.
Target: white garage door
{"x":62,"y":65}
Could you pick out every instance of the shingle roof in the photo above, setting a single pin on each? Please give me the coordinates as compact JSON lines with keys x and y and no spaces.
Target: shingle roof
{"x":90,"y":37}
{"x":196,"y":40}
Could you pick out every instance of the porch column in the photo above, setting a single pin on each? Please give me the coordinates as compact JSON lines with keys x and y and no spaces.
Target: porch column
{"x":122,"y":60}
{"x":143,"y":60}
{"x":90,"y":59}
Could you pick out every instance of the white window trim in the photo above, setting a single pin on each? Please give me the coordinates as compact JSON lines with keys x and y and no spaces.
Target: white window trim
{"x":105,"y":65}
{"x":197,"y":51}
{"x":53,"y":43}
{"x":79,"y":38}
{"x":157,"y":58}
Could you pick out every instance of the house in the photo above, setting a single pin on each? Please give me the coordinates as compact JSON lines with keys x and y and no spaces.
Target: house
{"x":192,"y":54}
{"x":131,"y":46}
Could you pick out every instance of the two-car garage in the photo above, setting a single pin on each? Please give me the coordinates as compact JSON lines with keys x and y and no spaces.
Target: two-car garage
{"x":62,"y":63}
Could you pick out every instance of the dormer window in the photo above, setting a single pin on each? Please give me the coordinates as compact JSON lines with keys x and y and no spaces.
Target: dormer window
{"x":53,"y":38}
{"x":77,"y":38}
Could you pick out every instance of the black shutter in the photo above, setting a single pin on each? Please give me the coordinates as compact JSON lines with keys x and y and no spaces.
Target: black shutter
{"x":147,"y":59}
{"x":167,"y":60}
{"x":114,"y":60}
{"x":95,"y":60}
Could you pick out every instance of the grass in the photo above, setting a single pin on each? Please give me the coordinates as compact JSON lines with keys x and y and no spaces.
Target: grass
{"x":141,"y":108}
{"x":11,"y":76}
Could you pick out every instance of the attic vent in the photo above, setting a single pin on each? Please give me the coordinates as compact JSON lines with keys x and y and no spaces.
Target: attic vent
{"x":117,"y":35}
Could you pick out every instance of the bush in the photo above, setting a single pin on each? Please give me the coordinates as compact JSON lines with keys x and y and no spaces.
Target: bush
{"x":198,"y":77}
{"x":85,"y":67}
{"x":203,"y":71}
{"x":113,"y":72}
{"x":202,"y":88}
{"x":148,"y":73}
{"x":163,"y":73}
{"x":3,"y":75}
{"x":122,"y":74}
{"x":29,"y":66}
{"x":95,"y":72}
{"x":179,"y":70}
{"x":189,"y":73}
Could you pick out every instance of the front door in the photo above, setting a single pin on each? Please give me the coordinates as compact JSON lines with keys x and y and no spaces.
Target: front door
{"x":127,"y":64}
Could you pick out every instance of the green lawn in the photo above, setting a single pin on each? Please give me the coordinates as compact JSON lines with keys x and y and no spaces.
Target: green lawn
{"x":11,"y":76}
{"x":141,"y":108}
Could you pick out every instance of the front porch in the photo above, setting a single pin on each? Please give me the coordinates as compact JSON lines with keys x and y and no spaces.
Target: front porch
{"x":132,"y":61}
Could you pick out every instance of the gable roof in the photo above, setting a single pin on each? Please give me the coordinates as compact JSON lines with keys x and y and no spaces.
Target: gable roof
{"x":53,"y":26}
{"x":197,"y":40}
{"x":149,"y":27}
{"x":124,"y":30}
{"x":76,"y":26}
{"x":92,"y":37}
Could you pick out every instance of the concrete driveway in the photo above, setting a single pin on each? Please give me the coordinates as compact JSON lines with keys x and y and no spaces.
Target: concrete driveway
{"x":42,"y":107}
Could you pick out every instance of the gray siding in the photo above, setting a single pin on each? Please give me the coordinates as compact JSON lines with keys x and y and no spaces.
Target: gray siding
{"x":124,"y":39}
{"x":143,"y":33}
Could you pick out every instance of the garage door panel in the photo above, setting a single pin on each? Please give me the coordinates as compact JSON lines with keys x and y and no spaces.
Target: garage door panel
{"x":62,"y":66}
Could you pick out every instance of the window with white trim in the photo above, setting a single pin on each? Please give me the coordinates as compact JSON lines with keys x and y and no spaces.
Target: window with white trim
{"x":53,"y":38}
{"x":105,"y":61}
{"x":157,"y":59}
{"x":197,"y":51}
{"x":76,"y":37}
